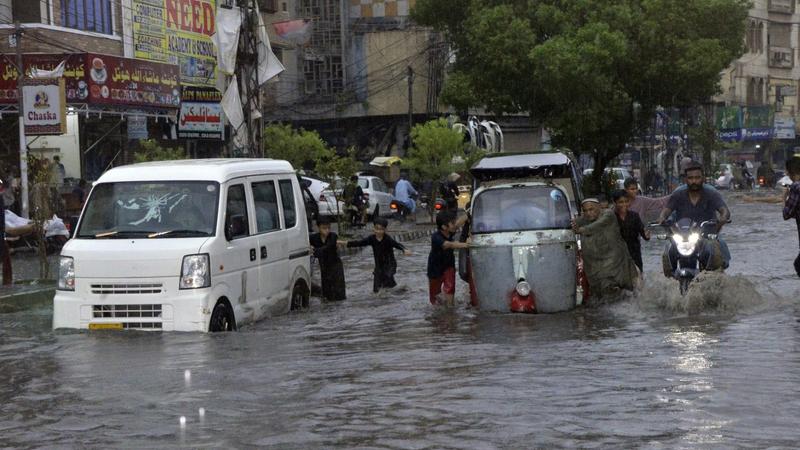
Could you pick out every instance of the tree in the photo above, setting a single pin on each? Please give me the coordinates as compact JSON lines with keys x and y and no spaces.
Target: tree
{"x":151,"y":150}
{"x":593,"y":71}
{"x":705,"y":136}
{"x":336,"y":170}
{"x":436,"y":151}
{"x":301,"y":148}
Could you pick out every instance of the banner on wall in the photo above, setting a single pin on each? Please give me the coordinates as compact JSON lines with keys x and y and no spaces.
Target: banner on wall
{"x":177,"y":32}
{"x":44,"y":107}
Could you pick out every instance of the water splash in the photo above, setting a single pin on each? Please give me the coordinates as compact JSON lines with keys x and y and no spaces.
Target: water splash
{"x":709,"y":292}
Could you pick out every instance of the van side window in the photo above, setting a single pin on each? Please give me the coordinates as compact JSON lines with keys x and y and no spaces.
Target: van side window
{"x":287,"y":197}
{"x":236,"y":212}
{"x":266,"y":202}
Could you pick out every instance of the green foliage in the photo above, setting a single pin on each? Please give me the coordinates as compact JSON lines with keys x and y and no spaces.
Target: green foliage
{"x":301,"y":148}
{"x":580,"y":66}
{"x":434,"y":145}
{"x":704,"y":135}
{"x":151,"y":150}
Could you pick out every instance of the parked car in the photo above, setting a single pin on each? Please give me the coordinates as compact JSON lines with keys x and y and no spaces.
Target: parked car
{"x":376,"y":191}
{"x":323,"y":194}
{"x":196,"y":245}
{"x":620,"y":174}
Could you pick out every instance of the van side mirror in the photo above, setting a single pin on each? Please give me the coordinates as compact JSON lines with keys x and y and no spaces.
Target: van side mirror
{"x":234,"y":227}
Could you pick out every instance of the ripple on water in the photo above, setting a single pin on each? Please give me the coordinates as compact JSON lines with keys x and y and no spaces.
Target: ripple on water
{"x":710,"y":292}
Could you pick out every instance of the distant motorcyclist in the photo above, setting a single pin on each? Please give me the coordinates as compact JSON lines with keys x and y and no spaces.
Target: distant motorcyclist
{"x":449,"y":191}
{"x":699,"y":205}
{"x":404,"y":193}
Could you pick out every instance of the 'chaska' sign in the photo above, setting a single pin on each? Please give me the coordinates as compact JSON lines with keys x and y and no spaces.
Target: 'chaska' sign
{"x":44,"y":107}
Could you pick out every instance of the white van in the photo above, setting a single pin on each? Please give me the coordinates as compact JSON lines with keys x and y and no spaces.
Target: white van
{"x":196,"y":245}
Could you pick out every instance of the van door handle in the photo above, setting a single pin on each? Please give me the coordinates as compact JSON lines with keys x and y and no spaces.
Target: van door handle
{"x":252,"y":254}
{"x":263,"y":252}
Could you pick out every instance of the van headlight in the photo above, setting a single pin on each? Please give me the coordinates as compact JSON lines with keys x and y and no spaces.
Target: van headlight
{"x":66,"y":273}
{"x":523,"y":288}
{"x":195,"y":272}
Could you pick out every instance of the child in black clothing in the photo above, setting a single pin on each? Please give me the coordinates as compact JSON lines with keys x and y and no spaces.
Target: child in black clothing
{"x":630,"y":226}
{"x":324,"y":246}
{"x":383,"y":247}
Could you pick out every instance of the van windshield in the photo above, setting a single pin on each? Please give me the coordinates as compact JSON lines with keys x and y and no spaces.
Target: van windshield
{"x":151,"y":209}
{"x":520,"y":208}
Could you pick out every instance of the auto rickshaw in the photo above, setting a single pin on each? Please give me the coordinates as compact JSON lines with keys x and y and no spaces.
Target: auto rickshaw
{"x":524,"y":255}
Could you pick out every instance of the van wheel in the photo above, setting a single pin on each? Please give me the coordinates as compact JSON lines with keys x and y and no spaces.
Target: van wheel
{"x":221,"y":319}
{"x":300,"y":298}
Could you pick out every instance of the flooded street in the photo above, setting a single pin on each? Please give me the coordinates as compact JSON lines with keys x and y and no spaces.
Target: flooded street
{"x":717,"y":369}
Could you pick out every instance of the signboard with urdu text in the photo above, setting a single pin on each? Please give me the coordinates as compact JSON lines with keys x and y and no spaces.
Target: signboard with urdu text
{"x":201,"y":114}
{"x":101,"y":79}
{"x":177,"y":32}
{"x":44,"y":107}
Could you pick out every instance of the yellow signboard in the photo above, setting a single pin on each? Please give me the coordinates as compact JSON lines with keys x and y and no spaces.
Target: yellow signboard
{"x":177,"y":32}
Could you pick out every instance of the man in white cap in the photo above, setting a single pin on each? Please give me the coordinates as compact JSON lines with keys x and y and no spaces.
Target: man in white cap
{"x":608,"y":265}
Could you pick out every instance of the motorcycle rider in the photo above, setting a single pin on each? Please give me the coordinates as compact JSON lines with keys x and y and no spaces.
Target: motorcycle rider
{"x":404,"y":193}
{"x":697,"y":204}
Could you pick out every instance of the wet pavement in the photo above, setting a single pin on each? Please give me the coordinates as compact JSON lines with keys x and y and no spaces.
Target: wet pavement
{"x":717,"y":369}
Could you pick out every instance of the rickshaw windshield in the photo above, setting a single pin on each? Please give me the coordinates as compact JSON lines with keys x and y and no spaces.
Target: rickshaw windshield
{"x":520,"y":208}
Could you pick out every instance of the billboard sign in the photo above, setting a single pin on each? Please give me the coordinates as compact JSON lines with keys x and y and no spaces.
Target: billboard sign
{"x":784,"y":127}
{"x":74,"y":75}
{"x":177,"y":32}
{"x":131,"y":82}
{"x":44,"y":107}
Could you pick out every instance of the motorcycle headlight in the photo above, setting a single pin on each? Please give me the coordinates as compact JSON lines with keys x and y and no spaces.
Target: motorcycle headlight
{"x":66,"y":274}
{"x":523,"y":288}
{"x":686,"y":247}
{"x":195,"y":272}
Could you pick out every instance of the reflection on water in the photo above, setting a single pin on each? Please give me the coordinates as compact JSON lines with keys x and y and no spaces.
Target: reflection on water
{"x":392,"y":372}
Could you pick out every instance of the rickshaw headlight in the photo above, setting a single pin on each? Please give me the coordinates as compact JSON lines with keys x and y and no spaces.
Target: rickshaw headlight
{"x":523,"y":288}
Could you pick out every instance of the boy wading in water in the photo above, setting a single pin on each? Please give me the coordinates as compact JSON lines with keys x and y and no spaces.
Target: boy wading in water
{"x":630,"y":226}
{"x":324,"y":246}
{"x":383,"y":247}
{"x":442,"y":260}
{"x":791,"y":208}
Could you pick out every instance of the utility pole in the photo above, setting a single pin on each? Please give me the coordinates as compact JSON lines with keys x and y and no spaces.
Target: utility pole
{"x":23,"y":145}
{"x":410,"y":100}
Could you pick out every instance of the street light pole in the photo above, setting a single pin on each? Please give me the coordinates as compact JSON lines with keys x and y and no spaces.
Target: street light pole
{"x":23,"y":145}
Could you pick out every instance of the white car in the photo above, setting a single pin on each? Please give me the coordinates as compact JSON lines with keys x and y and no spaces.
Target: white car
{"x":380,"y":199}
{"x":323,"y":195}
{"x":620,"y":175}
{"x":784,"y":182}
{"x":195,"y":245}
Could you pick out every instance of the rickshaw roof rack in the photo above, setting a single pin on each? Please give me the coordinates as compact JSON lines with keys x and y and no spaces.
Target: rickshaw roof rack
{"x":522,"y":165}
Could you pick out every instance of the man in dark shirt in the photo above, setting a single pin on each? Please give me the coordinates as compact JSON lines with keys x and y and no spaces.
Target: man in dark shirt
{"x":699,"y":205}
{"x":791,"y":208}
{"x":449,"y":191}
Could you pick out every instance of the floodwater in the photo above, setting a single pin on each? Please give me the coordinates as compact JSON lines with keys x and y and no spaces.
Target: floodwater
{"x":718,"y":369}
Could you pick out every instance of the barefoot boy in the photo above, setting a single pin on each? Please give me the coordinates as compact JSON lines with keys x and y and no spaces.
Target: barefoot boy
{"x":383,"y":247}
{"x":442,"y":260}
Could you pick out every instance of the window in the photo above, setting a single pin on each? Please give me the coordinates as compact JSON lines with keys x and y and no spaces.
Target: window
{"x":265,"y":200}
{"x":148,"y":209}
{"x":520,"y":209}
{"x":236,"y":212}
{"x":88,"y":15}
{"x":287,"y":197}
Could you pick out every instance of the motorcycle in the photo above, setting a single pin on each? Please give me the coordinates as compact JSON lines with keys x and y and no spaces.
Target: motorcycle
{"x":689,"y":240}
{"x":400,"y":210}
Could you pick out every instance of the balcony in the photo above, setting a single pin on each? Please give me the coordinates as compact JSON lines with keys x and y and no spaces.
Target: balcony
{"x":781,"y":6}
{"x":781,"y":57}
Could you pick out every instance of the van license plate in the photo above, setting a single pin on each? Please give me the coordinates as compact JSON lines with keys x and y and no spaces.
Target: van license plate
{"x":105,"y":326}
